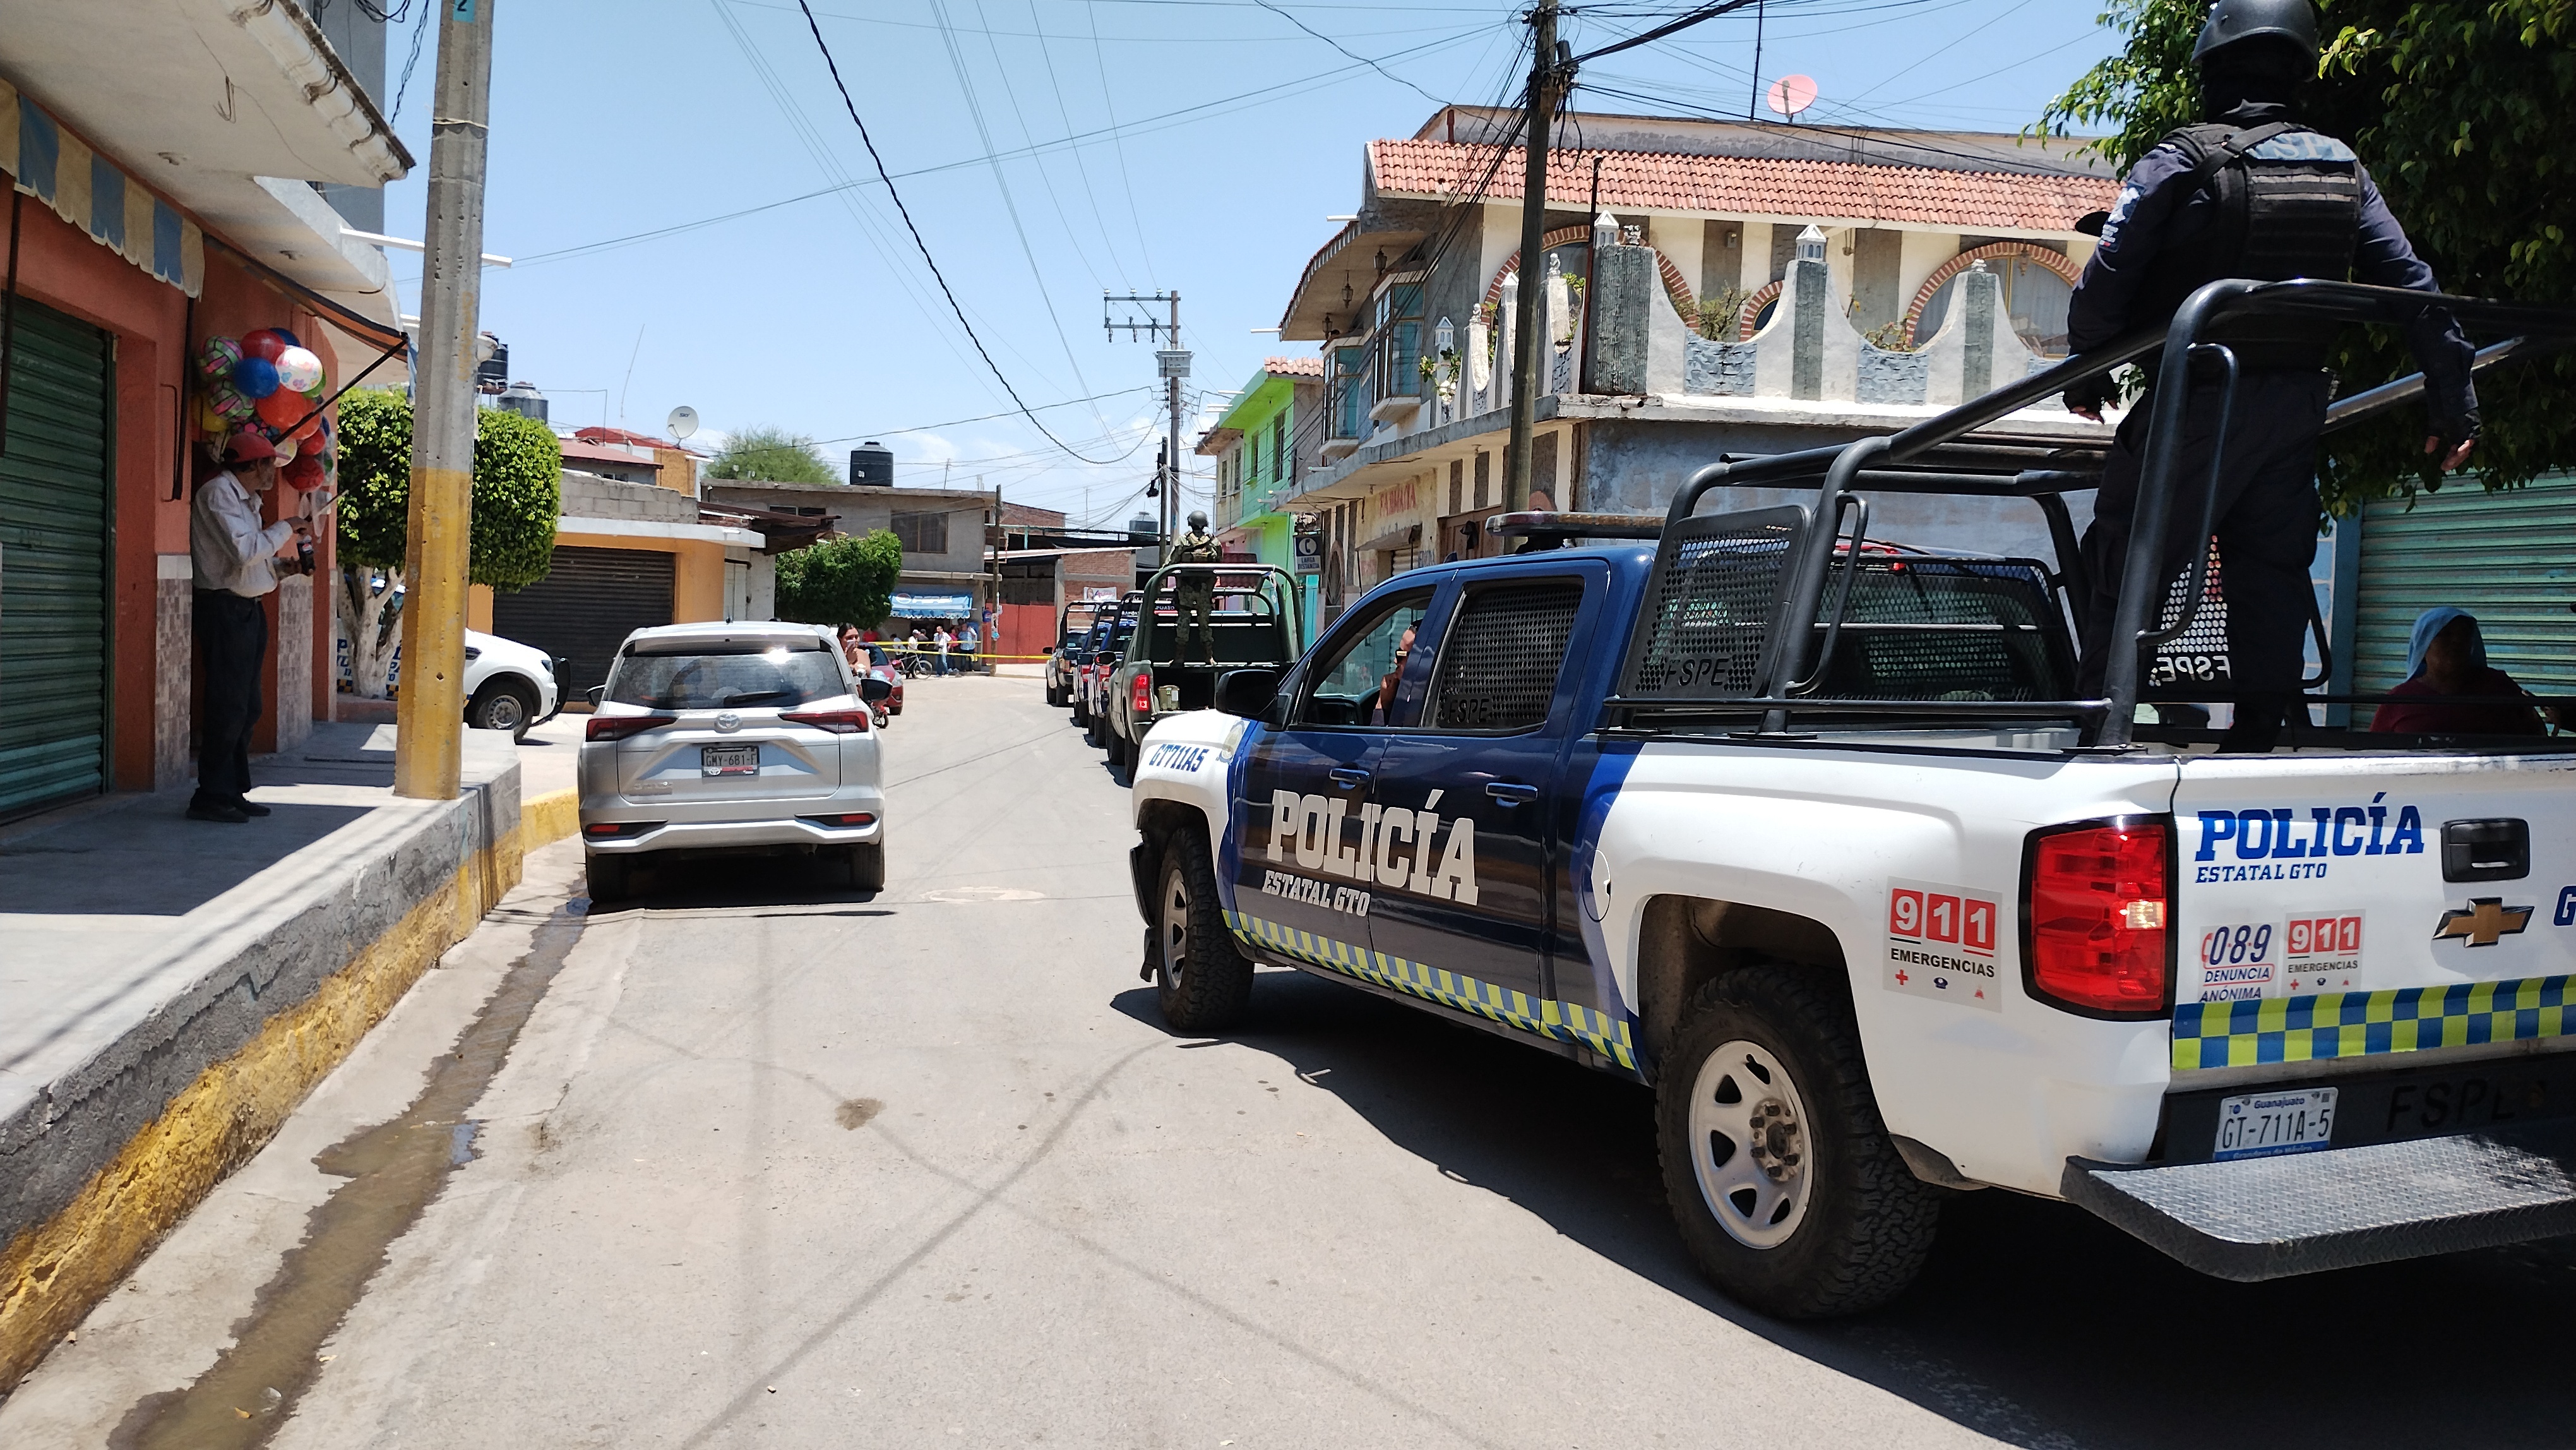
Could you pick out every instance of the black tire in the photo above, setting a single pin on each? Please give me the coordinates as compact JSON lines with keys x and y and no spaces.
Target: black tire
{"x":501,"y":705}
{"x":1081,"y":716}
{"x":1853,"y":1223}
{"x":867,"y":866}
{"x":1202,"y":981}
{"x":610,"y":877}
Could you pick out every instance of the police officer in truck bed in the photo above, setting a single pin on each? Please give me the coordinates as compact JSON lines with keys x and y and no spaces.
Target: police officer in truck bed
{"x":2251,"y":193}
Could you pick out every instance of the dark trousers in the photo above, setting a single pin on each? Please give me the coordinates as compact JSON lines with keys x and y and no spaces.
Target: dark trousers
{"x":232,"y":638}
{"x":2266,"y":527}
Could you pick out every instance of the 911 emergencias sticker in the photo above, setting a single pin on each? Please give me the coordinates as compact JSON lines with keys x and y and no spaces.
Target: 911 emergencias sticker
{"x":1941,"y":944}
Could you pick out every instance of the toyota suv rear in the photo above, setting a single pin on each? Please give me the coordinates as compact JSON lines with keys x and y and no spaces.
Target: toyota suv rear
{"x":732,"y":737}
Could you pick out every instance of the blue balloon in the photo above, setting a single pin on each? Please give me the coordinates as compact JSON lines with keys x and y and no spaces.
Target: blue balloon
{"x":256,"y":377}
{"x":291,"y":339}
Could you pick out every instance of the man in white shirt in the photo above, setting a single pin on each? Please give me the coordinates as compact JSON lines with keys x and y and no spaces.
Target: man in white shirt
{"x":235,"y":557}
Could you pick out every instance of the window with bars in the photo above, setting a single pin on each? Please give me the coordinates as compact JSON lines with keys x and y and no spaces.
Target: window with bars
{"x":922,"y":533}
{"x":1500,"y":661}
{"x":1398,"y":332}
{"x":1351,"y":399}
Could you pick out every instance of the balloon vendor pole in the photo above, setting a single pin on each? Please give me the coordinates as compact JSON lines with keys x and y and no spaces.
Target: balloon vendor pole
{"x":429,"y":715}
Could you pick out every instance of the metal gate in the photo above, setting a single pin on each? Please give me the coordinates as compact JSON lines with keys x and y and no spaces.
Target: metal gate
{"x":2509,"y":558}
{"x":585,"y":607}
{"x":56,"y":538}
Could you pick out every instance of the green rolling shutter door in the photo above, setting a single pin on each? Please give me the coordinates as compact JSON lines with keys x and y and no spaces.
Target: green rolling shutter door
{"x":2509,"y":558}
{"x":55,"y":495}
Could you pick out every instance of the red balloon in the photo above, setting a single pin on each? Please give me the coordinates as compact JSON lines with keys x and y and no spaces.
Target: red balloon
{"x":264,"y":344}
{"x":312,"y":428}
{"x":281,"y":409}
{"x":303,"y":475}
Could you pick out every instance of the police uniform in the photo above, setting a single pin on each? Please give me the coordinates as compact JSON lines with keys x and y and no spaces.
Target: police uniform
{"x":2252,"y":194}
{"x":1196,"y":592}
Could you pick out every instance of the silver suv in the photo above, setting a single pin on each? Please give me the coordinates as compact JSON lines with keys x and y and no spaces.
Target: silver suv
{"x":732,"y":736}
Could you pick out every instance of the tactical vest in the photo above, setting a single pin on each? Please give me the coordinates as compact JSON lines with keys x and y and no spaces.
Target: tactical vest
{"x":1197,"y":549}
{"x":2289,"y":205}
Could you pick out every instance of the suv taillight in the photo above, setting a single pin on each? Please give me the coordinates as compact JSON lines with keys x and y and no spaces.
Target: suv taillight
{"x":2095,"y":907}
{"x":1141,"y":698}
{"x":839,"y":722}
{"x":618,"y":727}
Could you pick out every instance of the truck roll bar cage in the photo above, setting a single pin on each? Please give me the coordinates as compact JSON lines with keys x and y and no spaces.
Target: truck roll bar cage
{"x":1948,"y":454}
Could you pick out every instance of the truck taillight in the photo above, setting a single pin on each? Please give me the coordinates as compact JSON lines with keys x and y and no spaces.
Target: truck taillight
{"x":2095,"y":906}
{"x":1143,"y":696}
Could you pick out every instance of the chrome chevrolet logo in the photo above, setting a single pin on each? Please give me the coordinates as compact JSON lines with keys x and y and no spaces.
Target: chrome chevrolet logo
{"x":2483,"y":920}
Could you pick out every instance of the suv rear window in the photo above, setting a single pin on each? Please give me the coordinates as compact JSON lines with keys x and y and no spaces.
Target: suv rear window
{"x":748,"y":675}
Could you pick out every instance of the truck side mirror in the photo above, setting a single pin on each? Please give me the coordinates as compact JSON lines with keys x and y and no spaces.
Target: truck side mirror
{"x":873,"y":688}
{"x":1248,"y":693}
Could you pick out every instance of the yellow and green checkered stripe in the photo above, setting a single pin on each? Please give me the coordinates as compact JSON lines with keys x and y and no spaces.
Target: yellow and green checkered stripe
{"x":1558,"y":1021}
{"x":2363,"y":1024}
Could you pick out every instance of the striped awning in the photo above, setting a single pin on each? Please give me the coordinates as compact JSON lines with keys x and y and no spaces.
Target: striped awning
{"x":93,"y":193}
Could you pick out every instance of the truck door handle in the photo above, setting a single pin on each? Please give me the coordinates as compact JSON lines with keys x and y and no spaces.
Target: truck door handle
{"x":1349,"y":779}
{"x":1510,"y":794}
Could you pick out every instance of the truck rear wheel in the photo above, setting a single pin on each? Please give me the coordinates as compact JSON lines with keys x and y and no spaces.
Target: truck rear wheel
{"x":1780,"y":1173}
{"x":1201,"y":979}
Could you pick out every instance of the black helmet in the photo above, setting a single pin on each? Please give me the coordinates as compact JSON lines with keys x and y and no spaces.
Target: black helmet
{"x":2231,"y":21}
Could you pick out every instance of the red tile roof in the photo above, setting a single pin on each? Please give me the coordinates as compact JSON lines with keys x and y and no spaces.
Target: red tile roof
{"x":1294,"y":367}
{"x":1808,"y":190}
{"x":586,"y":450}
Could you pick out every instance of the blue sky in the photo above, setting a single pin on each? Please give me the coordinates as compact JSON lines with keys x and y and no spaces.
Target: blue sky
{"x":1048,"y":150}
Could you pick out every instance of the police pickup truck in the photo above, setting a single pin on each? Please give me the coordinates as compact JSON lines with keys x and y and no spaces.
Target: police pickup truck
{"x":1810,"y":833}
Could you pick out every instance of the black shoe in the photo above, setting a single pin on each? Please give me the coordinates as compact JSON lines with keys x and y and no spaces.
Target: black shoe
{"x":249,"y":807}
{"x":212,"y":810}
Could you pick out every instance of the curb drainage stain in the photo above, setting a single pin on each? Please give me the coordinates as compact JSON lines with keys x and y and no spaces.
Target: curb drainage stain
{"x":394,"y":1170}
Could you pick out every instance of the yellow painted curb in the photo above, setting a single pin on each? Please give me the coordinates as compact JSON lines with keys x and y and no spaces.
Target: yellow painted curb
{"x":546,"y":819}
{"x":51,"y":1273}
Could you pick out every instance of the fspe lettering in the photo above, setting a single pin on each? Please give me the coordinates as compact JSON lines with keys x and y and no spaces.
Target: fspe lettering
{"x":2270,"y":834}
{"x":1398,"y":849}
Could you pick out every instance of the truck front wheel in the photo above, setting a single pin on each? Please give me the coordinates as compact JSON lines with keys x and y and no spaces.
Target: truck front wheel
{"x":1779,"y":1171}
{"x":1201,"y":979}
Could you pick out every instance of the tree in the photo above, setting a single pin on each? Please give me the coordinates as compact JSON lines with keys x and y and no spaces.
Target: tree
{"x":518,"y":496}
{"x":2458,"y":107}
{"x":773,"y":455}
{"x":848,"y":579}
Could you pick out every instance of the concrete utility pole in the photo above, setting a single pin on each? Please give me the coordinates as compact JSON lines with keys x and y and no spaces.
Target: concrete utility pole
{"x":429,"y":719}
{"x":1530,"y":347}
{"x":1172,"y":475}
{"x":1172,"y":365}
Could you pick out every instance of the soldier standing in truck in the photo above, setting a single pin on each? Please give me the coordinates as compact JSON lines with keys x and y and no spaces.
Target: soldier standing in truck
{"x":2251,"y":193}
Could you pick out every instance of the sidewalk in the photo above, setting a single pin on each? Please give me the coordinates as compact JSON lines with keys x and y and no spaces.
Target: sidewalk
{"x":170,"y":988}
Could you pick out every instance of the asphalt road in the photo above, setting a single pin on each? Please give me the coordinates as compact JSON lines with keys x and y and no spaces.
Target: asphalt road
{"x":776,"y":1164}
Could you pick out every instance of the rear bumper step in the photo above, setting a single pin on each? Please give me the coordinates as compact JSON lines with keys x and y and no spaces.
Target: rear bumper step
{"x":2269,"y":1218}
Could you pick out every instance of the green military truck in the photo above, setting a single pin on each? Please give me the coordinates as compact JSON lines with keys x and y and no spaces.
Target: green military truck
{"x":1251,"y":619}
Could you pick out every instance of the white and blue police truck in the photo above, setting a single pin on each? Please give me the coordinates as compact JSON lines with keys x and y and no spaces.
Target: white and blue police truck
{"x":1811,"y":833}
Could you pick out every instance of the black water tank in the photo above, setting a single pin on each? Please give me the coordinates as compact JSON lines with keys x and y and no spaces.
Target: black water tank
{"x":872,"y":463}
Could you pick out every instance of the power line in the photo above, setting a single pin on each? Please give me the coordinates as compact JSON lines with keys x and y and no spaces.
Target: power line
{"x":1346,"y":50}
{"x":927,"y":260}
{"x":1112,"y":132}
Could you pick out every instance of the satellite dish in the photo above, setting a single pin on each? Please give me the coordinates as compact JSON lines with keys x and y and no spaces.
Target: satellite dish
{"x":682,"y":422}
{"x":1792,"y":94}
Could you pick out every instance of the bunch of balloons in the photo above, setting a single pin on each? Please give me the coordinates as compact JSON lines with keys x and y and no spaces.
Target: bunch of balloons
{"x":269,"y":382}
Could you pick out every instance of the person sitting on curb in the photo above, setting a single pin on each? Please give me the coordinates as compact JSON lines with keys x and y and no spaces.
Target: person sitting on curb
{"x":234,"y":557}
{"x":2447,"y":656}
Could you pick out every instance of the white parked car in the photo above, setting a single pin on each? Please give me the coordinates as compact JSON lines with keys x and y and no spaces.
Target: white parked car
{"x":508,"y":685}
{"x":732,"y":737}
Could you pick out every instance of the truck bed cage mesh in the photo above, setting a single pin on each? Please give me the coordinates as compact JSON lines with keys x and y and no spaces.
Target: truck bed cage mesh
{"x":1764,"y":611}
